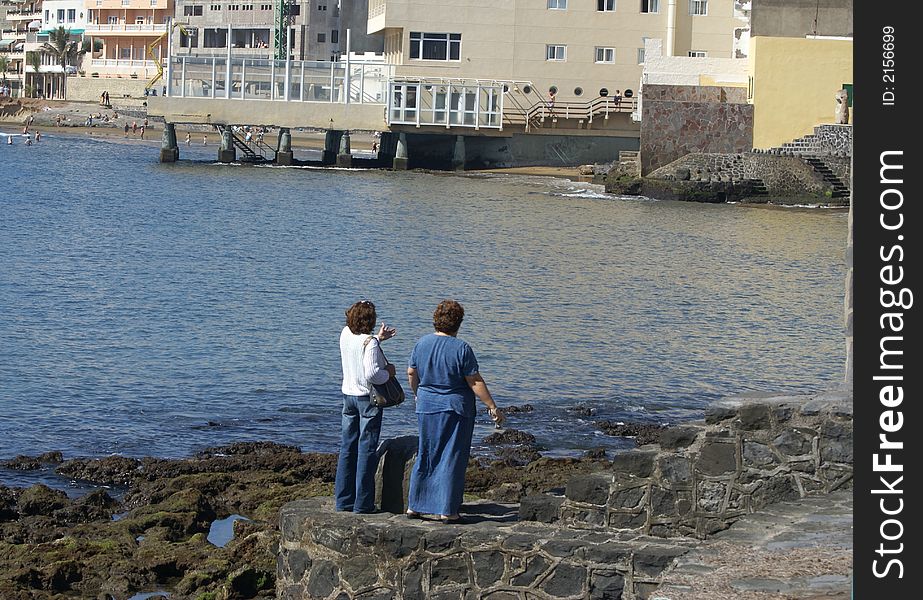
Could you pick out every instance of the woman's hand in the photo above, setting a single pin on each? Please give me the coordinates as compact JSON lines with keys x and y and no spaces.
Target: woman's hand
{"x":385,"y":332}
{"x":497,"y":416}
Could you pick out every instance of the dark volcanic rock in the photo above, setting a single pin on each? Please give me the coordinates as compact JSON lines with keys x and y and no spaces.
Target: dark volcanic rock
{"x":513,"y":410}
{"x":518,"y":456}
{"x":644,"y":433}
{"x":32,"y":463}
{"x":509,"y":436}
{"x":98,"y":505}
{"x":112,"y":470}
{"x":8,"y":499}
{"x":582,"y":410}
{"x":41,"y":500}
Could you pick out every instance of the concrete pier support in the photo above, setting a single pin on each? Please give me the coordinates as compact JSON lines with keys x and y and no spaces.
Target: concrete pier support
{"x":344,"y":156}
{"x":401,"y":159}
{"x":458,"y":157}
{"x":284,"y":155}
{"x":226,"y":151}
{"x":169,"y":150}
{"x":331,"y":146}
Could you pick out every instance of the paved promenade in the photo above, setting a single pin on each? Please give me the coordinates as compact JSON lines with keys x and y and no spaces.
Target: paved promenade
{"x":794,"y":550}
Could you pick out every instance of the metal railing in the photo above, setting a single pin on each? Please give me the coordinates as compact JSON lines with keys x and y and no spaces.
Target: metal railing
{"x":260,"y":79}
{"x":128,"y":27}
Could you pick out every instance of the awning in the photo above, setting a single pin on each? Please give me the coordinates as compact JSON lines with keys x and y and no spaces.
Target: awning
{"x":6,"y":43}
{"x":36,"y":24}
{"x":70,"y":31}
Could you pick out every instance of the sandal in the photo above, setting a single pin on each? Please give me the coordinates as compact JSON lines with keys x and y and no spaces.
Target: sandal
{"x":412,"y":514}
{"x":449,"y":519}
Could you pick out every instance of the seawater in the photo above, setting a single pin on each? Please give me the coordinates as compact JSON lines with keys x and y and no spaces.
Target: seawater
{"x":150,"y":309}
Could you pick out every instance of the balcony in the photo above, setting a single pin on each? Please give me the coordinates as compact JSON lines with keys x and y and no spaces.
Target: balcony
{"x":124,"y":28}
{"x":112,"y":67}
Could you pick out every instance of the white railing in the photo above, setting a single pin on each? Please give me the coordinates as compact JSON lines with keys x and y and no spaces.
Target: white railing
{"x":278,"y":80}
{"x":107,"y":27}
{"x":123,"y":63}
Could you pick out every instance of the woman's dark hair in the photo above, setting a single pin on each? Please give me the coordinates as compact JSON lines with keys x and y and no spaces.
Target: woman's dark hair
{"x":361,"y":317}
{"x":448,"y":316}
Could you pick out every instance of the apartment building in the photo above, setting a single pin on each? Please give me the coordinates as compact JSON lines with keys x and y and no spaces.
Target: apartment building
{"x":570,"y":49}
{"x":126,"y":29}
{"x":20,"y":22}
{"x":313,"y":28}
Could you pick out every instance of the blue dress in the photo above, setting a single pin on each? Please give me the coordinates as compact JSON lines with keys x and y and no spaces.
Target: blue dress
{"x":445,"y":415}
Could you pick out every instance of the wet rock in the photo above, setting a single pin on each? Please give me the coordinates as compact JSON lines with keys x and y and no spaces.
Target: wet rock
{"x":509,"y":436}
{"x":33,"y":463}
{"x":112,"y":470}
{"x":644,"y":433}
{"x":98,"y":505}
{"x":582,"y":410}
{"x":598,"y":453}
{"x":9,"y":497}
{"x":515,"y":410}
{"x":518,"y":456}
{"x":41,"y":500}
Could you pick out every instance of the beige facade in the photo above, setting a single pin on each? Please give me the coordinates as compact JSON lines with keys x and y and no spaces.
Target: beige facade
{"x":569,"y":45}
{"x":127,"y":29}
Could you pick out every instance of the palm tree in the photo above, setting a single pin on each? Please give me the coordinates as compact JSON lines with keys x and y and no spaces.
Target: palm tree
{"x":4,"y":66}
{"x":35,"y":61}
{"x":64,"y":50}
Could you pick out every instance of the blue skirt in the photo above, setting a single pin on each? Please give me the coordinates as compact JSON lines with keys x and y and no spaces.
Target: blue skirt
{"x":437,"y":483}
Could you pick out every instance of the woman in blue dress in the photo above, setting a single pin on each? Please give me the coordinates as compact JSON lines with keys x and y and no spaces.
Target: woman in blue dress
{"x":443,"y":374}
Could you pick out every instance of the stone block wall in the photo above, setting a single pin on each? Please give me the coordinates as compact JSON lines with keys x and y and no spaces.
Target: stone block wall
{"x":834,"y":139}
{"x":750,"y":453}
{"x":671,"y":129}
{"x":732,"y":176}
{"x":336,"y":555}
{"x":125,"y":91}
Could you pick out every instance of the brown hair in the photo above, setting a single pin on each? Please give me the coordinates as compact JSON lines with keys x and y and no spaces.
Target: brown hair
{"x":448,"y":316}
{"x":361,"y":317}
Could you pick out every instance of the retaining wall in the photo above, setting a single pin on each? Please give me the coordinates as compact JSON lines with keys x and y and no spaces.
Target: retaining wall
{"x":610,"y":535}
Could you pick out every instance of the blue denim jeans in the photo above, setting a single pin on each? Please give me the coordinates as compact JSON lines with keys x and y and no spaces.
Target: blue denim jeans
{"x":355,"y":482}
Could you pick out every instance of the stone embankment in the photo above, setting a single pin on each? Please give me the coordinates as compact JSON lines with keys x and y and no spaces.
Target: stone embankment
{"x":813,"y":170}
{"x":618,"y":532}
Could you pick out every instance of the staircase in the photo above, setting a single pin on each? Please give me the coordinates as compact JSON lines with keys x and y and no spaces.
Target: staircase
{"x":253,"y":152}
{"x":839,"y":189}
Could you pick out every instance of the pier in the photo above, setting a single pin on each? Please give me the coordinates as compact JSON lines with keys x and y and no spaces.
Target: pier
{"x":458,"y":123}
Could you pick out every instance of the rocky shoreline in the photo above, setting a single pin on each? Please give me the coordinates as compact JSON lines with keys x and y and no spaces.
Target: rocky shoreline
{"x":145,"y":527}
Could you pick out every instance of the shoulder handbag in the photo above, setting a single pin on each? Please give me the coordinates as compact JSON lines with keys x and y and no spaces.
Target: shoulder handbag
{"x":389,"y":393}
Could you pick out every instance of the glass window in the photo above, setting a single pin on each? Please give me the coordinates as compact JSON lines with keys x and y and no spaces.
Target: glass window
{"x":697,"y":53}
{"x":111,"y":20}
{"x":698,"y":7}
{"x":650,"y":6}
{"x":60,"y":15}
{"x":557,"y":4}
{"x":321,"y":38}
{"x":435,"y":46}
{"x":605,"y":5}
{"x":334,"y":36}
{"x":555,"y":52}
{"x":193,"y":10}
{"x":71,"y":15}
{"x":605,"y":55}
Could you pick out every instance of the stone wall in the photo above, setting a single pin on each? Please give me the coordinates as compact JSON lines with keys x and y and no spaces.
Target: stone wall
{"x":327,"y":554}
{"x":834,"y":139}
{"x":750,"y":453}
{"x":121,"y":91}
{"x":680,"y":120}
{"x":733,"y":177}
{"x":611,"y":534}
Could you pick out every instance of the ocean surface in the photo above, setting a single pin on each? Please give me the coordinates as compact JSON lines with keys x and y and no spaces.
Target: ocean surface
{"x":155,"y":310}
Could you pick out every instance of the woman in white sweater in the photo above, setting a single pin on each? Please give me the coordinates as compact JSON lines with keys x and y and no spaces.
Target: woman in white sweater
{"x":363,"y":365}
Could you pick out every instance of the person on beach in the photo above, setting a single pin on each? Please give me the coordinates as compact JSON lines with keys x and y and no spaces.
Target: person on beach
{"x":126,"y":129}
{"x":363,"y":364}
{"x":106,"y":94}
{"x":188,"y":139}
{"x":38,"y":135}
{"x":142,"y":132}
{"x":444,"y":376}
{"x":9,"y":140}
{"x":134,"y":127}
{"x":205,"y":139}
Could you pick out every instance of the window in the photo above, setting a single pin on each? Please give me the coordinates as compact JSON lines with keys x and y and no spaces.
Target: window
{"x":435,"y":46}
{"x":111,"y":20}
{"x":265,"y":6}
{"x":334,"y":36}
{"x":233,"y":6}
{"x":557,"y":4}
{"x":71,"y":15}
{"x":605,"y":55}
{"x":697,"y":54}
{"x":47,"y":18}
{"x":215,"y":7}
{"x":193,"y":10}
{"x":698,"y":7}
{"x":641,"y":51}
{"x":321,"y":38}
{"x":650,"y":6}
{"x":246,"y":7}
{"x":321,"y":7}
{"x":605,"y":5}
{"x":60,"y":15}
{"x":555,"y":52}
